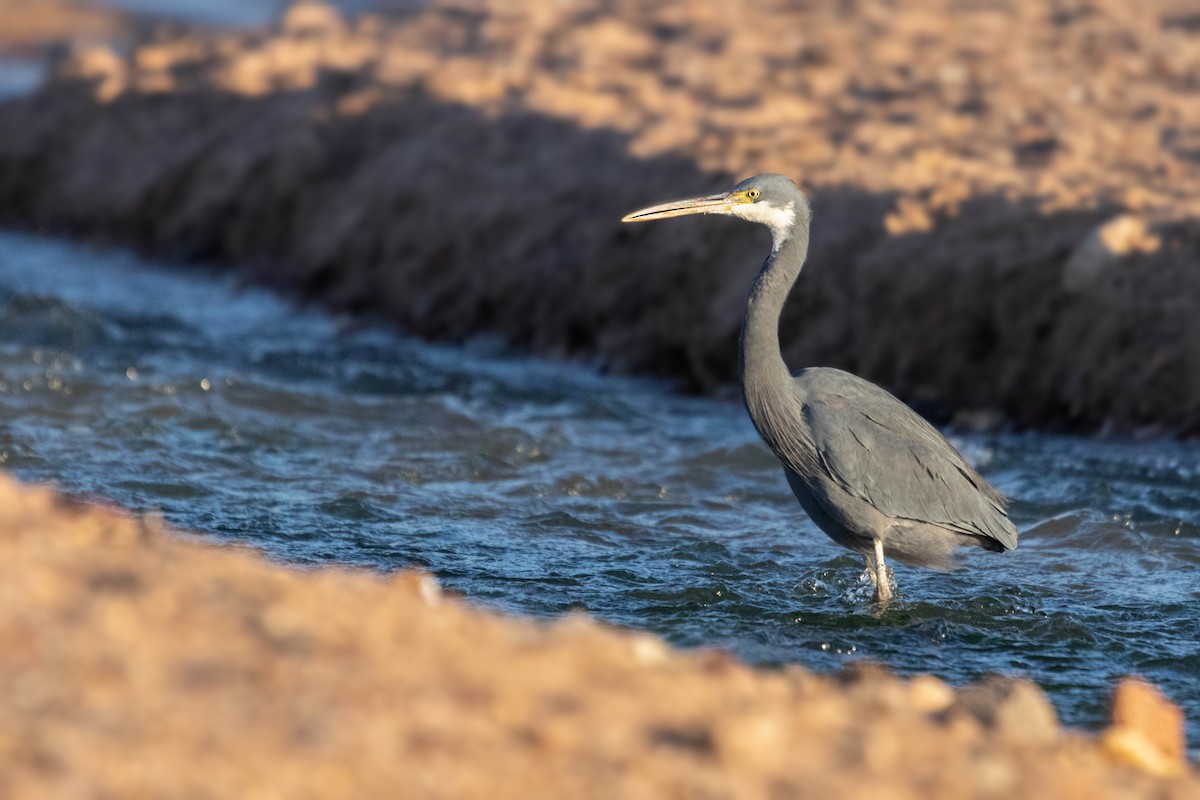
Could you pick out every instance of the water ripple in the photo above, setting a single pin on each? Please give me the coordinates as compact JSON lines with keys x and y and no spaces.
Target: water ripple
{"x":543,"y":488}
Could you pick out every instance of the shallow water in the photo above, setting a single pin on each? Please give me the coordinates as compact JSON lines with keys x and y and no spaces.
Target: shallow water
{"x":205,"y":12}
{"x":541,"y":488}
{"x":243,"y":13}
{"x":19,"y":75}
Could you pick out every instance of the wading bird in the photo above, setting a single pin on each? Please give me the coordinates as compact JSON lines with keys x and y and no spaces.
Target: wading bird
{"x":868,"y":470}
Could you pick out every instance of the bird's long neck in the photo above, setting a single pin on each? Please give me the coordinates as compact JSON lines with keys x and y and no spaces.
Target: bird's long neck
{"x":764,"y":372}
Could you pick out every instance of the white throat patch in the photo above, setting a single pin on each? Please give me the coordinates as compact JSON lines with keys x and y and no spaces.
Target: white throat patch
{"x":778,"y":219}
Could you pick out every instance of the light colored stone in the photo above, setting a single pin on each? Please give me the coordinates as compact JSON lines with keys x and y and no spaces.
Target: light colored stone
{"x":1133,"y":747}
{"x":310,"y":17}
{"x":930,"y":694}
{"x":1146,"y":728}
{"x":1016,"y":711}
{"x":99,"y":65}
{"x":1104,"y":248}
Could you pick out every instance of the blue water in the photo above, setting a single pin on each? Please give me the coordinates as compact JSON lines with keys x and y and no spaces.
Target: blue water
{"x":541,"y":488}
{"x":19,"y":75}
{"x":241,"y":13}
{"x":207,"y":12}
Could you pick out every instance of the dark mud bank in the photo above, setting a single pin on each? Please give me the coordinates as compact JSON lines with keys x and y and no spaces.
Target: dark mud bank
{"x":376,"y":189}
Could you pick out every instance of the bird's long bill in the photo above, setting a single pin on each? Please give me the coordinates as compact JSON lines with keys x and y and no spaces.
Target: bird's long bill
{"x":710,"y":204}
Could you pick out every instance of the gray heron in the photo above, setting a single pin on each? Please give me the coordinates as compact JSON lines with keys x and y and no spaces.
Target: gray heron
{"x":870,"y":472}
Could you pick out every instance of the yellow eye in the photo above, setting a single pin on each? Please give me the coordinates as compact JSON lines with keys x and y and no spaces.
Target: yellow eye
{"x":753,"y":194}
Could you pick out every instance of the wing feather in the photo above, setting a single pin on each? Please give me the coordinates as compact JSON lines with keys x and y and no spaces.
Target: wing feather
{"x":878,"y":449}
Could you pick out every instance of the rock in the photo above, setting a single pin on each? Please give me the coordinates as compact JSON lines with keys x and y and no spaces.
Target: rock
{"x":858,"y":672}
{"x":96,"y":64}
{"x":1133,"y":747}
{"x":910,"y":216}
{"x":1015,"y":711}
{"x":1147,"y":730}
{"x":930,"y":694}
{"x":311,"y":18}
{"x":1104,"y":248}
{"x":648,"y":650}
{"x":420,"y":586}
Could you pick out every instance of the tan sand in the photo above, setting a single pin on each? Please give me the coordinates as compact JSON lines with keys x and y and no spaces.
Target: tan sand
{"x":140,"y":665}
{"x":1005,"y":193}
{"x":30,"y":25}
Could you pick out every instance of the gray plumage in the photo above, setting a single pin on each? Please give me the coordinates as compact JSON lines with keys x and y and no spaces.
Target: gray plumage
{"x":869,"y":471}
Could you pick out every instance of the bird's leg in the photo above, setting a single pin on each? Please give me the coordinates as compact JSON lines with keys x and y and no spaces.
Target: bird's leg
{"x":883,"y":590}
{"x":871,"y":568}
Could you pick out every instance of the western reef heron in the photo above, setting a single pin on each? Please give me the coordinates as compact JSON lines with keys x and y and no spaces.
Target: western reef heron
{"x":869,"y":471}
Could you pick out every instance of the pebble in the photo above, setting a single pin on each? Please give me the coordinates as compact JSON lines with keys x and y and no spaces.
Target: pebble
{"x":1146,"y":730}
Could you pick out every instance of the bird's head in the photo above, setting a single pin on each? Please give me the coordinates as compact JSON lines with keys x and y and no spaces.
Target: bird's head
{"x":770,"y":199}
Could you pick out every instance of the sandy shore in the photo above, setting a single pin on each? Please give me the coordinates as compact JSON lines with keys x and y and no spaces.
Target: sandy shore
{"x":139,"y":664}
{"x":1005,"y":195}
{"x":30,"y":25}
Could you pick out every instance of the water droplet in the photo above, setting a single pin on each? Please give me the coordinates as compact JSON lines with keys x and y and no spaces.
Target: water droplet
{"x":131,"y":373}
{"x":205,"y":385}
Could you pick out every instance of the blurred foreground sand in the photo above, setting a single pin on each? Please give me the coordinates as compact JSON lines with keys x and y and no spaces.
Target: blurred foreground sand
{"x":28,"y":25}
{"x":138,"y":664}
{"x":1005,"y":193}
